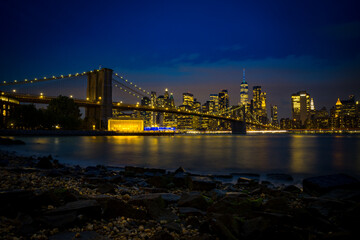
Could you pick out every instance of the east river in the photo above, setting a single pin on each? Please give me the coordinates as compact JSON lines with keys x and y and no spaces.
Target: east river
{"x":255,"y":153}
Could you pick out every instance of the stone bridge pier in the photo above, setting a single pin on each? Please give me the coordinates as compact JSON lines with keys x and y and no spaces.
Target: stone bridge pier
{"x":99,"y":90}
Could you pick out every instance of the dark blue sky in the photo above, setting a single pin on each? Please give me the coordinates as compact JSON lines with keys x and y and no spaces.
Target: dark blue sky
{"x":191,"y":46}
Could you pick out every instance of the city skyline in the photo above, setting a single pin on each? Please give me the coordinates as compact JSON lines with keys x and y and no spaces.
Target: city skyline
{"x":197,"y":47}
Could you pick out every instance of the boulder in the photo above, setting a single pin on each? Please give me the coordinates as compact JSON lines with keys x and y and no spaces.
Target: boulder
{"x":199,"y":183}
{"x":189,"y":211}
{"x":194,"y":200}
{"x":323,"y":184}
{"x":72,"y":212}
{"x":105,"y":188}
{"x":45,"y":162}
{"x":113,"y":208}
{"x":87,"y":235}
{"x":14,"y":201}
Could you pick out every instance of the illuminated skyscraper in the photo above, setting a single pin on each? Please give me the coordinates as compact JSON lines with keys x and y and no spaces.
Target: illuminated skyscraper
{"x":274,"y":115}
{"x":244,"y":91}
{"x":300,"y":103}
{"x":188,"y":99}
{"x":214,"y":103}
{"x":256,"y":97}
{"x":223,"y":100}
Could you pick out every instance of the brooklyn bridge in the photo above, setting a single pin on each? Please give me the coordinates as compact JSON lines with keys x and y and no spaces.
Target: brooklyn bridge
{"x":99,"y":102}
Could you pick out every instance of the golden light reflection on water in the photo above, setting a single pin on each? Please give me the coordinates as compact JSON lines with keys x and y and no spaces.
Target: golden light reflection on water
{"x":303,"y":156}
{"x":337,"y":152}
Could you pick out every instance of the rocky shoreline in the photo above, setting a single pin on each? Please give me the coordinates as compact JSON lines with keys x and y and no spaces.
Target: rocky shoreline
{"x":41,"y":198}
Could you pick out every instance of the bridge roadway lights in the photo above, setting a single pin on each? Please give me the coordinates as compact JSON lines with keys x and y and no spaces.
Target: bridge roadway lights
{"x":238,"y":127}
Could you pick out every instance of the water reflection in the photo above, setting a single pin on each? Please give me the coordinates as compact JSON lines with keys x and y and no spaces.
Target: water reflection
{"x":303,"y":153}
{"x":206,"y":153}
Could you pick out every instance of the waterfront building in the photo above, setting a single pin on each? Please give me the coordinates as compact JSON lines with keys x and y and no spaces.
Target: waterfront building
{"x":7,"y":104}
{"x":153,"y":103}
{"x":244,"y":91}
{"x":214,"y":103}
{"x":223,"y":100}
{"x":346,"y":113}
{"x":258,"y":104}
{"x":274,"y":115}
{"x":188,"y":99}
{"x":146,"y":116}
{"x":126,"y":125}
{"x":300,"y":103}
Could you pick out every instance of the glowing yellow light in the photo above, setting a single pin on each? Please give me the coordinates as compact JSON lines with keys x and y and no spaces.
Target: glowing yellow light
{"x":71,"y":96}
{"x":120,"y":101}
{"x":35,"y":79}
{"x":54,"y":77}
{"x":134,"y":85}
{"x":126,"y":80}
{"x":99,"y":98}
{"x":14,"y":90}
{"x":116,"y":74}
{"x":87,"y":99}
{"x":4,"y":81}
{"x":93,"y":127}
{"x":41,"y":94}
{"x":121,"y":77}
{"x":62,"y":76}
{"x":15,"y":80}
{"x":69,"y":75}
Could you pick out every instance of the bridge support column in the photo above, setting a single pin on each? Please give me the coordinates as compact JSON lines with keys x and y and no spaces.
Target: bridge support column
{"x":238,"y":127}
{"x":99,"y":89}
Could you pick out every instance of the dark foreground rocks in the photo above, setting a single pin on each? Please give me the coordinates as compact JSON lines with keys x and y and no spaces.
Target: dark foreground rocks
{"x":42,"y":199}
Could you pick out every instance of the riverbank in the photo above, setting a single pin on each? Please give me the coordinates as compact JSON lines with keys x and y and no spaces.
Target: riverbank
{"x":41,"y":198}
{"x":18,"y":132}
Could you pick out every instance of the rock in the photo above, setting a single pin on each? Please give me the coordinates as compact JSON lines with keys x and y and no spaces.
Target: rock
{"x":14,"y":201}
{"x":217,"y":194}
{"x":277,"y":205}
{"x":87,"y":235}
{"x":68,"y":214}
{"x":243,"y":207}
{"x":189,"y":211}
{"x":160,"y":181}
{"x":202,"y":183}
{"x":105,"y":188}
{"x":56,"y":197}
{"x":180,"y":170}
{"x":45,"y":163}
{"x":113,"y":208}
{"x":194,"y":200}
{"x":225,"y":227}
{"x":173,"y":227}
{"x":292,"y":189}
{"x":280,"y":177}
{"x":162,"y":235}
{"x":182,"y":179}
{"x":320,"y":185}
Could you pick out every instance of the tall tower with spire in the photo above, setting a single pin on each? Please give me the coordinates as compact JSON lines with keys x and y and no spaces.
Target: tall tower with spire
{"x":244,"y":91}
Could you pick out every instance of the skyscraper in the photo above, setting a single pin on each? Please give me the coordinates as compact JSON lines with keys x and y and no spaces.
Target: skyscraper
{"x":223,"y":100}
{"x":274,"y":115}
{"x":188,"y":99}
{"x":244,"y":91}
{"x":300,"y":103}
{"x":214,"y":103}
{"x":256,"y":97}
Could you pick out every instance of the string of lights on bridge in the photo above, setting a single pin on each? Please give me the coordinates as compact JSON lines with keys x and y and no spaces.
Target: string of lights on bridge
{"x":63,"y":76}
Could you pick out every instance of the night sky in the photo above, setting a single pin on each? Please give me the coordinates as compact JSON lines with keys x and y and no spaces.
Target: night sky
{"x":191,"y":46}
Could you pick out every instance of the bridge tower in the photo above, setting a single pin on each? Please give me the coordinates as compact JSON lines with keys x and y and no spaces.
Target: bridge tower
{"x":99,"y":90}
{"x":239,"y":127}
